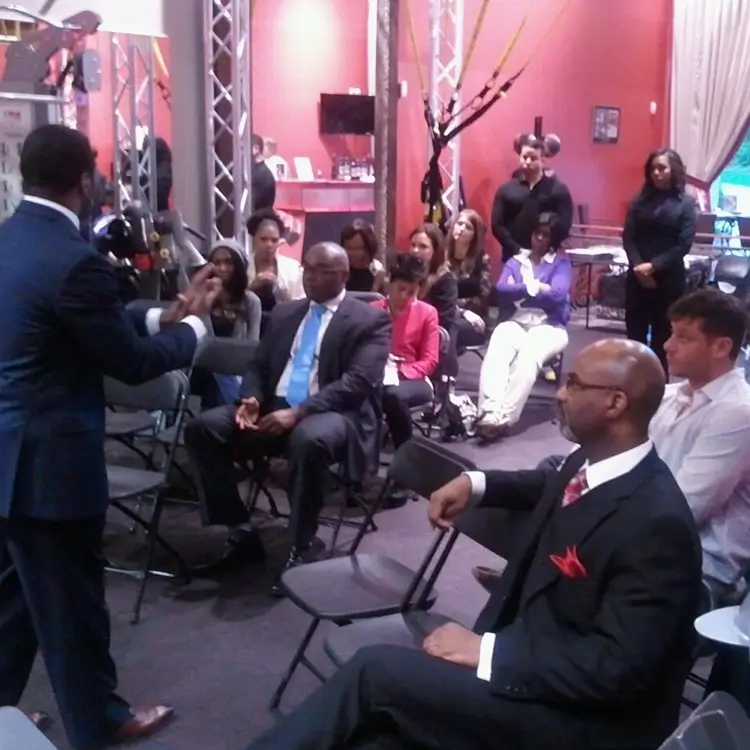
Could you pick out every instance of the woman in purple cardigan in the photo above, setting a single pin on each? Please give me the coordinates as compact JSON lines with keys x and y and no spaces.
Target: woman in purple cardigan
{"x":537,"y":283}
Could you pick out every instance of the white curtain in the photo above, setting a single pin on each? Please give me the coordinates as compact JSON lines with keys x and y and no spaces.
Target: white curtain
{"x":710,"y":82}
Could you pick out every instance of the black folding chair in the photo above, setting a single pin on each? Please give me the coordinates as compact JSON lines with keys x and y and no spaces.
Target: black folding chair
{"x":494,"y":529}
{"x":442,"y":385}
{"x":366,"y":297}
{"x":363,"y":585}
{"x":168,"y":394}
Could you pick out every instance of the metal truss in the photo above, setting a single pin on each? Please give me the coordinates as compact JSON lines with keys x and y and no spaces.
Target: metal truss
{"x":228,"y":116}
{"x":132,"y":75}
{"x":447,"y":32}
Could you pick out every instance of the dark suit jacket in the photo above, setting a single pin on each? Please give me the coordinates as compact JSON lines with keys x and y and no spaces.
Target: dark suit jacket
{"x":353,"y":355}
{"x":614,"y":647}
{"x":63,"y":327}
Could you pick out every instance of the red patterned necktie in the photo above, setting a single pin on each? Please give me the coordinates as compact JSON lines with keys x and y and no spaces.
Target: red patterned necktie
{"x":575,"y":488}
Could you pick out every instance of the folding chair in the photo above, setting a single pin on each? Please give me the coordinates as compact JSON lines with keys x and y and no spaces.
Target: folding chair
{"x":364,"y":585}
{"x":169,"y":394}
{"x":366,"y":297}
{"x":719,"y":723}
{"x":494,"y":529}
{"x":442,"y":385}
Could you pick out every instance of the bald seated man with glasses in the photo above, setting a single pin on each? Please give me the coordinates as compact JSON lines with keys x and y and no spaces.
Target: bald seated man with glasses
{"x":587,"y":642}
{"x":311,"y":395}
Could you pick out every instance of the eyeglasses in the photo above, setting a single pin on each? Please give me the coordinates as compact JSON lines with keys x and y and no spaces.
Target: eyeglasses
{"x":575,"y":383}
{"x":320,"y":270}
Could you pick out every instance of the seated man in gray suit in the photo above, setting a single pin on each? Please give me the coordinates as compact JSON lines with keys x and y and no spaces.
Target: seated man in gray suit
{"x":311,"y":393}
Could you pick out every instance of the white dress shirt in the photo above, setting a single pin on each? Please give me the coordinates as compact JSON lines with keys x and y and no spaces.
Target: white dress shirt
{"x":153,"y":316}
{"x":331,"y":306}
{"x":704,"y":438}
{"x":596,"y":474}
{"x":57,"y":207}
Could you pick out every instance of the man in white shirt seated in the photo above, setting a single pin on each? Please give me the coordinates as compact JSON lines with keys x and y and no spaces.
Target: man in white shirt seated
{"x":588,"y":640}
{"x":702,"y":432}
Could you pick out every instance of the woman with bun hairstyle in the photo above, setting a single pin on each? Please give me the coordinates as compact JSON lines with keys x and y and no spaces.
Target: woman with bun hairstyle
{"x":531,"y":192}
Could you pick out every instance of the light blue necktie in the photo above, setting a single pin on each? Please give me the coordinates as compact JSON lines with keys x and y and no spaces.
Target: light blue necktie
{"x":304,"y":358}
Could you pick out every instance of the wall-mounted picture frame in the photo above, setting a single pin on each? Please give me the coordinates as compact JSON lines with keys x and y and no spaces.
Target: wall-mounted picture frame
{"x":605,"y":124}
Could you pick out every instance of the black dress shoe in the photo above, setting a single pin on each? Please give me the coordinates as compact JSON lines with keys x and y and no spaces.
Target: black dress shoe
{"x":244,"y":546}
{"x":295,"y":558}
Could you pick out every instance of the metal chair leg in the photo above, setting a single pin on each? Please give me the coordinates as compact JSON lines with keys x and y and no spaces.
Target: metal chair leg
{"x":296,"y":659}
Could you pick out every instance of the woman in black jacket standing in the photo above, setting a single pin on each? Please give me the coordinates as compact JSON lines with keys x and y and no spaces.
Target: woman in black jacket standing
{"x":658,"y":234}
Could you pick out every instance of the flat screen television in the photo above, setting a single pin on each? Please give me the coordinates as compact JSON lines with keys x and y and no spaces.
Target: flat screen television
{"x":347,"y":114}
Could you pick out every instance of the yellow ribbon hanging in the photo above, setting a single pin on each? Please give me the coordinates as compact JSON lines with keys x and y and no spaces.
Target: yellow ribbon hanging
{"x":160,"y":59}
{"x":415,"y":50}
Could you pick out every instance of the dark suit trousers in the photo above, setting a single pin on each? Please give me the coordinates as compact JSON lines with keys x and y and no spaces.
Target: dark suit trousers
{"x":214,"y":444}
{"x":52,"y":598}
{"x":407,"y":698}
{"x":398,"y":400}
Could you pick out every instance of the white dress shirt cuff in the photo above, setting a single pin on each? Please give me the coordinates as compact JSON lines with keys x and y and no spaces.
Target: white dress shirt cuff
{"x":486,"y":649}
{"x":153,"y":320}
{"x":196,"y":324}
{"x":478,"y":484}
{"x":532,"y":287}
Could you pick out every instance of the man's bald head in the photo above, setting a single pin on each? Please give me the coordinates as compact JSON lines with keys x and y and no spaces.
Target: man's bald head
{"x":330,"y":253}
{"x":631,"y":367}
{"x":614,"y":384}
{"x":326,"y":271}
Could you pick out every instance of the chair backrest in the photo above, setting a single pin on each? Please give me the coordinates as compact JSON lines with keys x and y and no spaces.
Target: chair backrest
{"x":423,"y":466}
{"x":225,"y":356}
{"x":731,"y":274}
{"x":18,"y":731}
{"x":366,"y":297}
{"x":168,"y":392}
{"x":719,"y":723}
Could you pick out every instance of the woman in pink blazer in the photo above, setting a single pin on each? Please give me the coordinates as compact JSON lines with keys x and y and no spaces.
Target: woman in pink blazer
{"x":414,"y":348}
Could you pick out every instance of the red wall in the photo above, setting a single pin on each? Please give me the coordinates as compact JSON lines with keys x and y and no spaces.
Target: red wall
{"x":302,"y":48}
{"x":599,"y":53}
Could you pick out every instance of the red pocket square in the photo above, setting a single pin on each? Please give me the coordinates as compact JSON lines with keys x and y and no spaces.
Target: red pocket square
{"x":569,"y":565}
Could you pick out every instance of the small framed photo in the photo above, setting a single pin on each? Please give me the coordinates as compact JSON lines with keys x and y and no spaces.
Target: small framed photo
{"x":605,"y":124}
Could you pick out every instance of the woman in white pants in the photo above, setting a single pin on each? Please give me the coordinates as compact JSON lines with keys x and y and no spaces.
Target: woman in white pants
{"x":537,"y":282}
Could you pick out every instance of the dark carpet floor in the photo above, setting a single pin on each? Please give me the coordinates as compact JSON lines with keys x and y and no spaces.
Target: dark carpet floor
{"x":216,"y":649}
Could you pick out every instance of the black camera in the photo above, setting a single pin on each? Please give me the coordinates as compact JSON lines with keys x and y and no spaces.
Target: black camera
{"x":122,"y":236}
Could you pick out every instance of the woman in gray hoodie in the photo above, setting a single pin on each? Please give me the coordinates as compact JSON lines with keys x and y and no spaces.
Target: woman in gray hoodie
{"x":235,"y":314}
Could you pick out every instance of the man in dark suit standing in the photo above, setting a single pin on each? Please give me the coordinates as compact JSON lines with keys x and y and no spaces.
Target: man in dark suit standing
{"x":586,"y":642}
{"x":63,"y":328}
{"x":312,"y":392}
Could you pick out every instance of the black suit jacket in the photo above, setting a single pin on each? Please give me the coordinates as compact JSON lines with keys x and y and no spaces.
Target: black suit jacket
{"x":615,"y":646}
{"x":63,"y":327}
{"x":353,"y":355}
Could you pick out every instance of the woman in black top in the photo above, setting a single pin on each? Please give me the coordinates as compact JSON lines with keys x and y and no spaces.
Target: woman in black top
{"x":440,"y":289}
{"x":471,"y":267}
{"x":658,"y":234}
{"x":366,"y":272}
